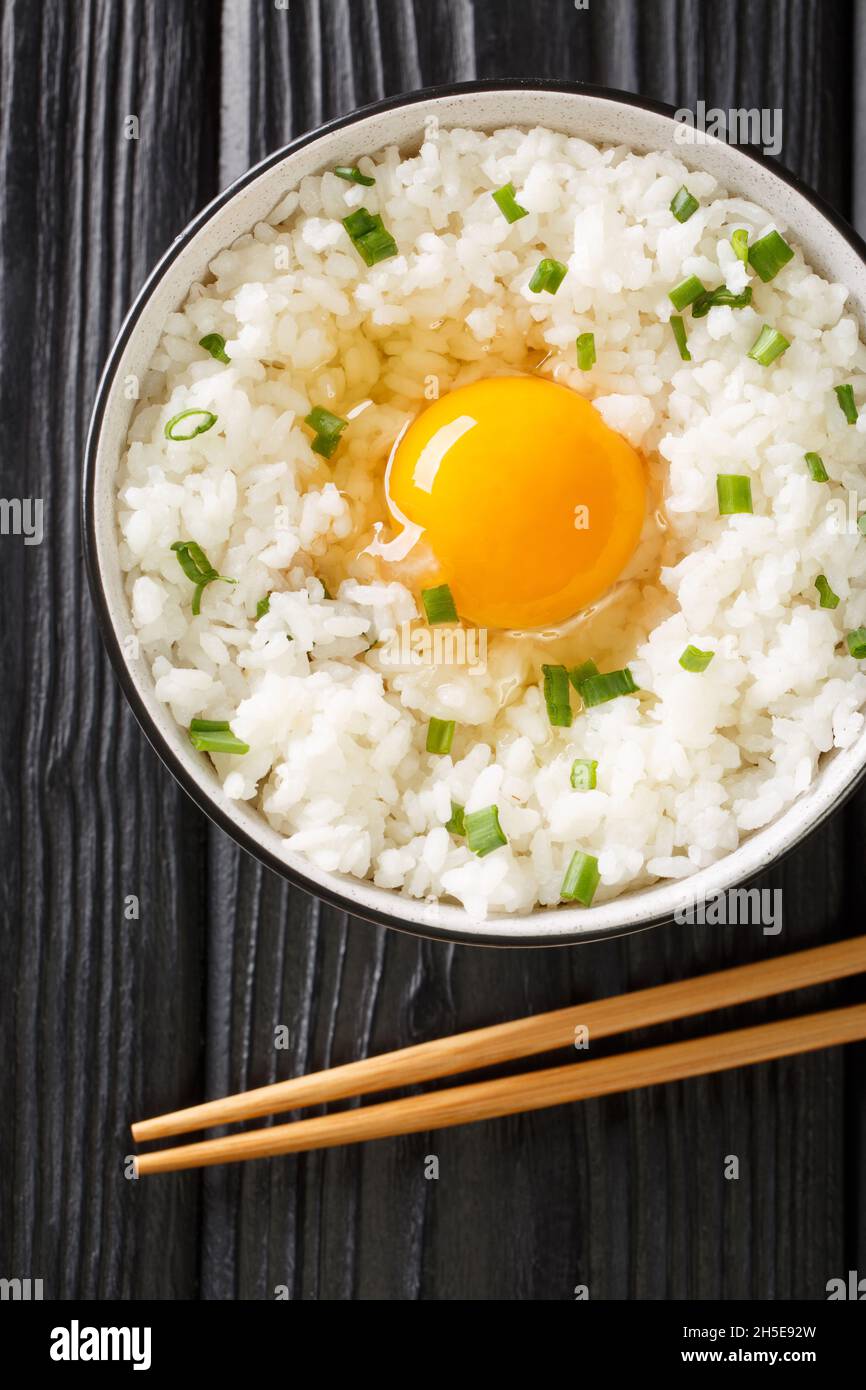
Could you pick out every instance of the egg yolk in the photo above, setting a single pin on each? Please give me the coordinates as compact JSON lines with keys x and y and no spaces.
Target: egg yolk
{"x":531,"y":504}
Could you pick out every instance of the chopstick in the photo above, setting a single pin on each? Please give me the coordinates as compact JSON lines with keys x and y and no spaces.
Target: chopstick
{"x":523,"y":1037}
{"x":487,"y":1100}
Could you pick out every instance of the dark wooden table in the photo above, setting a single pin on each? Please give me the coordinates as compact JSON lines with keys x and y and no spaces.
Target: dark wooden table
{"x":104,"y":1019}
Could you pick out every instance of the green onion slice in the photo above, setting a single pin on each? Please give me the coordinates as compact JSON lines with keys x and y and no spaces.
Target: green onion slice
{"x":679,"y":332}
{"x":206,"y":420}
{"x":327,"y":428}
{"x":597,"y":690}
{"x":734,"y":492}
{"x":440,"y":735}
{"x":583,"y":774}
{"x":581,"y":879}
{"x":483,"y":831}
{"x":586,"y":351}
{"x":817,"y":471}
{"x":827,"y":598}
{"x":556,"y":696}
{"x":215,"y":736}
{"x":352,"y":174}
{"x":263,"y":606}
{"x":215,"y":344}
{"x":369,"y":236}
{"x":857,"y":643}
{"x":740,"y":243}
{"x":198,"y":569}
{"x":578,"y":674}
{"x":845,"y":397}
{"x":683,"y":205}
{"x":455,"y":825}
{"x":721,"y":295}
{"x":507,"y":203}
{"x":360,"y":223}
{"x":693,"y":659}
{"x":439,"y":605}
{"x":686,"y":292}
{"x":768,"y":345}
{"x":861,"y":524}
{"x":548,"y":275}
{"x":768,"y":254}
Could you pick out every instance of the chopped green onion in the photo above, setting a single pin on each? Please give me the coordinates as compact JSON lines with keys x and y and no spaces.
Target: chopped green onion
{"x":359,"y":223}
{"x":687,"y":292}
{"x":857,"y":643}
{"x":683,"y":205}
{"x":376,"y":245}
{"x":369,"y":236}
{"x":215,"y":736}
{"x":581,"y":879}
{"x":193,"y":561}
{"x":548,"y":275}
{"x":734,"y":492}
{"x":586,"y":351}
{"x":768,"y":345}
{"x":455,"y":825}
{"x":583,"y":772}
{"x":215,"y":344}
{"x":845,"y":397}
{"x":740,"y":243}
{"x":578,"y":674}
{"x":861,"y":524}
{"x":439,"y":605}
{"x":556,"y":696}
{"x":263,"y":606}
{"x":440,"y":735}
{"x":693,"y":659}
{"x":327,"y":428}
{"x":827,"y":598}
{"x":597,"y":690}
{"x":352,"y":174}
{"x":721,"y":295}
{"x":483,"y":831}
{"x":679,"y":331}
{"x":206,"y":421}
{"x":197,"y":568}
{"x":325,"y":444}
{"x":324,"y":422}
{"x":768,"y":254}
{"x":507,"y":203}
{"x":817,"y":471}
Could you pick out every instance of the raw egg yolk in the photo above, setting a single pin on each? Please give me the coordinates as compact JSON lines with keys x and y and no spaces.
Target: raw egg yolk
{"x":531,"y":504}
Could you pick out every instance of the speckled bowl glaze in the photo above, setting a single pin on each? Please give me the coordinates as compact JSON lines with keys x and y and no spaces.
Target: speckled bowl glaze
{"x":594,"y":114}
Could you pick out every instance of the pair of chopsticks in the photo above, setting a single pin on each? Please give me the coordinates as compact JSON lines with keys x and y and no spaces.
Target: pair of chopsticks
{"x":504,"y":1042}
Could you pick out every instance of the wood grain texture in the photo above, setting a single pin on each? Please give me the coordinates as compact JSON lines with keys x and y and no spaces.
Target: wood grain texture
{"x":88,"y":815}
{"x":103,"y":1019}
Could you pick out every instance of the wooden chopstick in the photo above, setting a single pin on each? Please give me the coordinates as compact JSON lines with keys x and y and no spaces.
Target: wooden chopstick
{"x":487,"y":1100}
{"x":523,"y":1037}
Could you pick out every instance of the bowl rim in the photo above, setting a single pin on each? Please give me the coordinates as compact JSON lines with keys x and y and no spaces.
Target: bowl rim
{"x":507,"y":937}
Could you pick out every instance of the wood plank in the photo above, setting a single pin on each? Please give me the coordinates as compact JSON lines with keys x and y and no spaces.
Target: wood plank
{"x":101,"y":1015}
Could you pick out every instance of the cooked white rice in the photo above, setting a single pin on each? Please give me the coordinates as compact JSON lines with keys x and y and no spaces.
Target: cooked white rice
{"x":337,"y":759}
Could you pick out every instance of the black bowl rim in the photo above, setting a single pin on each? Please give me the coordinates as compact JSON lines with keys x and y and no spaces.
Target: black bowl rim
{"x":505,"y":938}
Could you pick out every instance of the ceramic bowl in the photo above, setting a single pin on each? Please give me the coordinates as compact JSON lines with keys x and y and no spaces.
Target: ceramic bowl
{"x":594,"y":114}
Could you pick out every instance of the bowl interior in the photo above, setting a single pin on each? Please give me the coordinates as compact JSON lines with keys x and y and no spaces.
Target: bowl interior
{"x":830,"y":247}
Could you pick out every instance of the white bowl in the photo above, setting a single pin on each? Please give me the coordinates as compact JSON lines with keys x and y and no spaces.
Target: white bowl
{"x":595,"y":114}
